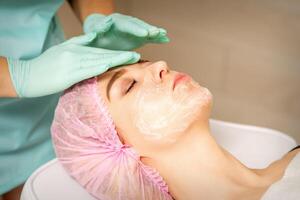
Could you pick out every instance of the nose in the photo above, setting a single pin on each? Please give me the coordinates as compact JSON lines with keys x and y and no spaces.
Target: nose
{"x":159,"y":70}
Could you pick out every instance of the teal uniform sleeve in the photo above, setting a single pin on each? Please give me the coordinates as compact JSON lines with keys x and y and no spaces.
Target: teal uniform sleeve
{"x":28,"y":28}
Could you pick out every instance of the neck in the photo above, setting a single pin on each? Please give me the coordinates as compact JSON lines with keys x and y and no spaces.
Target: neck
{"x":198,"y":168}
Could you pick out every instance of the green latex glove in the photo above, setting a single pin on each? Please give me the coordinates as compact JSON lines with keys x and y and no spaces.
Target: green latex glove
{"x":122,"y":32}
{"x":63,"y":65}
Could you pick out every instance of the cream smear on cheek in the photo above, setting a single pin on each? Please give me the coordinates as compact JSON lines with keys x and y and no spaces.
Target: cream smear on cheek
{"x":161,"y":112}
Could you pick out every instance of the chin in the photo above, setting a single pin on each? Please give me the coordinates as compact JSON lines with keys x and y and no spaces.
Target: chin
{"x":206,"y":96}
{"x":201,"y":93}
{"x":203,"y":101}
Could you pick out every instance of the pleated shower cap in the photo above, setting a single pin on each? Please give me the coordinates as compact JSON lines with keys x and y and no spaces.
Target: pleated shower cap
{"x":87,"y":145}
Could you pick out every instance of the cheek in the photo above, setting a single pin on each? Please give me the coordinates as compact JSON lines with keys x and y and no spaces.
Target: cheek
{"x":129,"y":134}
{"x":161,"y":113}
{"x":123,"y":121}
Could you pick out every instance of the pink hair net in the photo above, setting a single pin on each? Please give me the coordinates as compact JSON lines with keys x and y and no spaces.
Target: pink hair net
{"x":87,"y":145}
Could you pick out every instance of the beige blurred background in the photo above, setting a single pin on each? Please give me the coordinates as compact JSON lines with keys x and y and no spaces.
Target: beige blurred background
{"x":246,"y":52}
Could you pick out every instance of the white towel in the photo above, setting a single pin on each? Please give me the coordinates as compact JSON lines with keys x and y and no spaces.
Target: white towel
{"x":287,"y":188}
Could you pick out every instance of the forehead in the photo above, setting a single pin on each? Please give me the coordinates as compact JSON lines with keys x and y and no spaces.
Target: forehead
{"x":109,"y":73}
{"x":112,"y":70}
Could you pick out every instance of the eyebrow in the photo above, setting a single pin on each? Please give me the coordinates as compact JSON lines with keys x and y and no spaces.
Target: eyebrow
{"x":113,"y":78}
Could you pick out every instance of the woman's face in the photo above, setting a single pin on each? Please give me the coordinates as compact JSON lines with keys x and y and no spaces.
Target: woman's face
{"x":151,"y":105}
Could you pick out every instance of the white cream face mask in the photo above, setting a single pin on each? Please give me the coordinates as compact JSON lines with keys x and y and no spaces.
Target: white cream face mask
{"x":162,"y":112}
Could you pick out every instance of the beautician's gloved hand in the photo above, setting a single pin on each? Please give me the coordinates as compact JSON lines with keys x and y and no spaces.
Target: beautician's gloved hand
{"x":122,"y":32}
{"x":63,"y":65}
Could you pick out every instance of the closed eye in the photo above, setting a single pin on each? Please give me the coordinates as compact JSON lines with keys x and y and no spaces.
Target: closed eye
{"x":131,"y":86}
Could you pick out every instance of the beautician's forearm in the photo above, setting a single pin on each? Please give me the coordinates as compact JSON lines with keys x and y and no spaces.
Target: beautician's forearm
{"x":83,"y":8}
{"x":6,"y":86}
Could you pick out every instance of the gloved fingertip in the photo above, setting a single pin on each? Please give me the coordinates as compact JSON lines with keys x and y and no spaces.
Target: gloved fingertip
{"x":120,"y":59}
{"x":153,"y":32}
{"x":132,"y":57}
{"x":164,"y":39}
{"x":105,"y":68}
{"x":162,"y":32}
{"x":136,"y":56}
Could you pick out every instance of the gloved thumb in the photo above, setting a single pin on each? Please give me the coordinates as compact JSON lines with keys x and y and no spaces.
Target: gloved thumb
{"x":97,"y":23}
{"x":83,"y":39}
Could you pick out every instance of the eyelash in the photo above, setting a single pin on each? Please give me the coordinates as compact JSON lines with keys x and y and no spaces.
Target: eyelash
{"x":131,"y":86}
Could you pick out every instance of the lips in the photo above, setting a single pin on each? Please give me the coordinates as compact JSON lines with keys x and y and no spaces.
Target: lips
{"x":180,"y":77}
